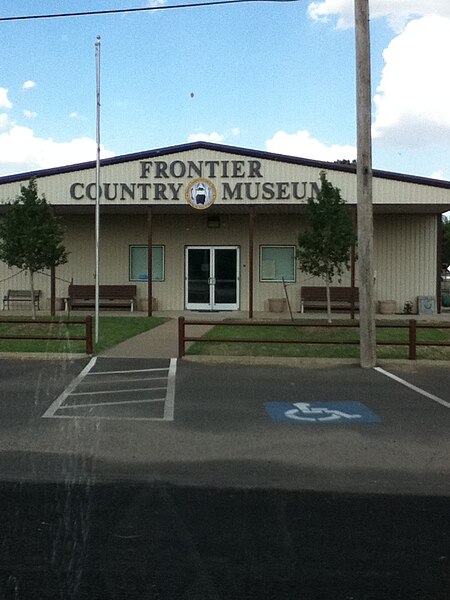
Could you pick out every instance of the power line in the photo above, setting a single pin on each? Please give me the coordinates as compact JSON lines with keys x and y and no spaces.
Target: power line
{"x":135,"y":10}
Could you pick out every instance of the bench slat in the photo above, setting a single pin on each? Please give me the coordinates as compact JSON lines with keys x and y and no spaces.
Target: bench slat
{"x":20,"y":296}
{"x":117,"y":296}
{"x":340,"y":297}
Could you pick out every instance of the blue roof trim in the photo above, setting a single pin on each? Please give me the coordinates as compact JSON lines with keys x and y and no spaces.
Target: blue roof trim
{"x":306,"y":162}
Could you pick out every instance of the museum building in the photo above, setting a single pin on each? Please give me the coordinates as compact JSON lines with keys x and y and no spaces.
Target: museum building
{"x":218,"y":227}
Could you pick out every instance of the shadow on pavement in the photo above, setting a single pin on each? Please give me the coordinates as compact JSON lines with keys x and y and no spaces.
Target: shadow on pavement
{"x":160,"y":541}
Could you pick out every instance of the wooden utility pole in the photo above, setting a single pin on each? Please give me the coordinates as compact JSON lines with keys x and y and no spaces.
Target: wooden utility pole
{"x":364,"y":186}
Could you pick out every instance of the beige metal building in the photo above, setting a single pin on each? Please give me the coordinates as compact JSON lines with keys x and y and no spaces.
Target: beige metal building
{"x":222,"y":224}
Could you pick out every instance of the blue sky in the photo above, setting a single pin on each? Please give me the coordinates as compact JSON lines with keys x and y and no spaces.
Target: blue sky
{"x":268,"y":76}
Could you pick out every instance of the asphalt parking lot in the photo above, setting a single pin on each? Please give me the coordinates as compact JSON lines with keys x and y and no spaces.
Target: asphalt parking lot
{"x":262,"y":482}
{"x":339,"y":428}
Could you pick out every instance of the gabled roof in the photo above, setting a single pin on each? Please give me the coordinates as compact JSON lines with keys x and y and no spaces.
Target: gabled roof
{"x":160,"y":152}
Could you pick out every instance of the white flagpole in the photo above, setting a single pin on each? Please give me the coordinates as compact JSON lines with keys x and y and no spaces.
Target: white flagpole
{"x":97,"y":194}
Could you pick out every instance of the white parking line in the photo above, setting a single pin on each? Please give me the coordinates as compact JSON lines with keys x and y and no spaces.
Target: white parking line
{"x":60,"y":405}
{"x":169,"y":406}
{"x":130,"y":371}
{"x":143,"y":401}
{"x":121,"y":380}
{"x":50,"y":412}
{"x":413,"y":387}
{"x":146,"y":389}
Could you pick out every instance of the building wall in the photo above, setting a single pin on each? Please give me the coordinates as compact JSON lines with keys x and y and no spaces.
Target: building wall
{"x":404,"y":255}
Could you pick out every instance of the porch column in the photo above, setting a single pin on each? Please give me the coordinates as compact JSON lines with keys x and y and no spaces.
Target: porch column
{"x":353,"y":270}
{"x":439,"y":264}
{"x":250,"y":262}
{"x":149,"y":260}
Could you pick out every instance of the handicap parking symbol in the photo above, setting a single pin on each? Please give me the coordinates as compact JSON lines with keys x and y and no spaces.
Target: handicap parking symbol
{"x":320,"y":412}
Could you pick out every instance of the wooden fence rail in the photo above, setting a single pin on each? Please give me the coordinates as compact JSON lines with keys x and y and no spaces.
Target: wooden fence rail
{"x":87,"y":337}
{"x":412,"y":325}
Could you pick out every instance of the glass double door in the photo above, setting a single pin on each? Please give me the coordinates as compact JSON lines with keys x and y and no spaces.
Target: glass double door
{"x":212,"y":278}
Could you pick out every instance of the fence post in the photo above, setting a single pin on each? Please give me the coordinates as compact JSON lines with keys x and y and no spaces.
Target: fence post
{"x":412,"y":339}
{"x":181,"y":332}
{"x":89,"y":345}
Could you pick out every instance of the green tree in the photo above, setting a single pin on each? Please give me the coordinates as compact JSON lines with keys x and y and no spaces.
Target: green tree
{"x":445,"y":242}
{"x":31,"y":237}
{"x":346,"y":161}
{"x":325,"y":246}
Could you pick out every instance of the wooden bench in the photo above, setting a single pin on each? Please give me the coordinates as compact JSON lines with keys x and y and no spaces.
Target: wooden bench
{"x":315,"y":297}
{"x":20,"y":296}
{"x":110,"y":296}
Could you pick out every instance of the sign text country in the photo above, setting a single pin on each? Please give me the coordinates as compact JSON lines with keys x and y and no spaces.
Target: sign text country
{"x":170,"y":191}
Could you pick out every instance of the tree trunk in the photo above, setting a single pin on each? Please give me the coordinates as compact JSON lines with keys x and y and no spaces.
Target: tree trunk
{"x":33,"y":307}
{"x":327,"y":284}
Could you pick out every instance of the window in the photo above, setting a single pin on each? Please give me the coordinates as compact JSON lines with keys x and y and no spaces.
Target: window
{"x":138,"y":263}
{"x":276,"y":263}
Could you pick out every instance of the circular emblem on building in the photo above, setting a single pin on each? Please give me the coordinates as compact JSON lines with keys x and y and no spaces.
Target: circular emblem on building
{"x":200,"y":193}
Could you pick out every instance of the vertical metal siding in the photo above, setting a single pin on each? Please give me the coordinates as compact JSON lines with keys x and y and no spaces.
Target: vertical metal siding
{"x":405,"y":254}
{"x":405,"y":257}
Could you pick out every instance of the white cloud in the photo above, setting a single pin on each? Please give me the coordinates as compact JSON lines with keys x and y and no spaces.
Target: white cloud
{"x":213,"y":137}
{"x":397,"y":12}
{"x":21,"y":150}
{"x":412,"y":101}
{"x":343,"y":9}
{"x":29,"y":114}
{"x":28,"y":85}
{"x":156,"y":3}
{"x":3,"y":120}
{"x":4,"y":102}
{"x":76,"y":116}
{"x":438,"y":174}
{"x":302,"y":144}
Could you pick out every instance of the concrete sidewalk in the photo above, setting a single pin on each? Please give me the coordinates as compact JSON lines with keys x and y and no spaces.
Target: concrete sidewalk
{"x":159,"y":342}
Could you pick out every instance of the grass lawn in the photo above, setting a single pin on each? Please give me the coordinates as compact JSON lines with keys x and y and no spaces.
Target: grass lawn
{"x":112,"y":331}
{"x":309,"y":333}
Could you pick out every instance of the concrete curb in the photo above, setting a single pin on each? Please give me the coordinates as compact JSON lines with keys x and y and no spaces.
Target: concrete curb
{"x":40,"y":356}
{"x":281,"y":361}
{"x":307,"y":362}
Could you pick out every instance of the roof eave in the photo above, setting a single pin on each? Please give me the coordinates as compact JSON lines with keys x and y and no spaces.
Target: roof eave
{"x":187,"y":147}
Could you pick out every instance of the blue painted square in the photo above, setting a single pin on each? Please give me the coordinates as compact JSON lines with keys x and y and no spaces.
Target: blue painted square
{"x":321,"y":412}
